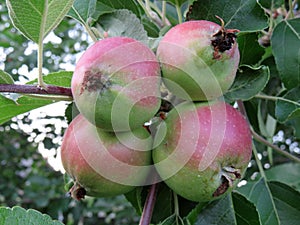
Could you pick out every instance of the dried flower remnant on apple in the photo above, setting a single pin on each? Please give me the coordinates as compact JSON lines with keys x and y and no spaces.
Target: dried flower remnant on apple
{"x":199,"y":60}
{"x":184,"y":152}
{"x":223,"y":40}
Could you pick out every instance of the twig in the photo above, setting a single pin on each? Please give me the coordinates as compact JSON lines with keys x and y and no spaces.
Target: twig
{"x":259,"y":138}
{"x":149,"y":205}
{"x":275,"y":98}
{"x":33,"y":89}
{"x":258,"y":162}
{"x":242,"y":109}
{"x":178,"y":10}
{"x":290,"y":14}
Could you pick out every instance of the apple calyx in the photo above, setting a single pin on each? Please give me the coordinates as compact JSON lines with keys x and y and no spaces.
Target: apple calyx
{"x":223,"y":40}
{"x":77,"y":192}
{"x":228,"y":175}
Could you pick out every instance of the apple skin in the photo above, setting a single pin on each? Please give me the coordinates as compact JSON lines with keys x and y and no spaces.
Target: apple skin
{"x":100,"y":165}
{"x":116,"y":84}
{"x":210,"y":160}
{"x":189,"y":60}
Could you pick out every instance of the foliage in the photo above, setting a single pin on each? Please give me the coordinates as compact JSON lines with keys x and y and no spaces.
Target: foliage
{"x":266,"y":89}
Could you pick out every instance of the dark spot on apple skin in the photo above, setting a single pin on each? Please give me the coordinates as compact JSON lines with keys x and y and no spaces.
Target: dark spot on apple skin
{"x":94,"y":81}
{"x":222,"y":188}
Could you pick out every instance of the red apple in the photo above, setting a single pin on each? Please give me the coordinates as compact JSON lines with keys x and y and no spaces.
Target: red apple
{"x":116,"y":84}
{"x":102,"y":163}
{"x":199,"y":59}
{"x":206,"y":149}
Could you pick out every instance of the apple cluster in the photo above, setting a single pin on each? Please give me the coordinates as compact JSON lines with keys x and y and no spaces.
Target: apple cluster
{"x":200,"y":148}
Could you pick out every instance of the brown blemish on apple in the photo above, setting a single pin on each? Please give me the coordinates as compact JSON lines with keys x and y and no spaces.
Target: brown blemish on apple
{"x":94,"y":81}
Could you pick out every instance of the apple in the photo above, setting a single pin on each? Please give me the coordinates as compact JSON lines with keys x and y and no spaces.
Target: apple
{"x":205,"y":150}
{"x":103,"y":163}
{"x":199,"y":59}
{"x":116,"y":84}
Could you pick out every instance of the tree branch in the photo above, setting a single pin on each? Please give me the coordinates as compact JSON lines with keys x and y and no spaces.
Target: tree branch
{"x":259,"y":138}
{"x":149,"y":205}
{"x":33,"y":89}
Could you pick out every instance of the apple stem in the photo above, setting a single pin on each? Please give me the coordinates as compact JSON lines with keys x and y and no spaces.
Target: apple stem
{"x":178,"y":10}
{"x":149,"y":205}
{"x":164,"y":10}
{"x":90,"y":32}
{"x":176,"y":205}
{"x":41,"y":83}
{"x":176,"y":209}
{"x":258,"y":162}
{"x":255,"y":153}
{"x":290,"y":14}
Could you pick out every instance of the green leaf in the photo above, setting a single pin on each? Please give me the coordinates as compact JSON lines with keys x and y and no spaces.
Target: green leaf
{"x":60,"y":78}
{"x":109,"y":6}
{"x":123,"y":23}
{"x":295,"y":123}
{"x":164,"y":204}
{"x":36,"y":19}
{"x":245,"y":15}
{"x":232,"y":209}
{"x":151,"y":28}
{"x":219,"y":212}
{"x":269,"y":4}
{"x":266,"y":132}
{"x":177,"y":2}
{"x":248,"y":82}
{"x":5,"y":78}
{"x":260,"y":194}
{"x":135,"y":198}
{"x":82,"y":10}
{"x":163,"y":207}
{"x":192,"y":216}
{"x":19,"y":216}
{"x":245,"y":211}
{"x":279,"y":173}
{"x":71,"y":112}
{"x":250,"y":50}
{"x":169,"y":221}
{"x":288,"y":107}
{"x":285,"y":43}
{"x":10,"y":108}
{"x":286,"y":200}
